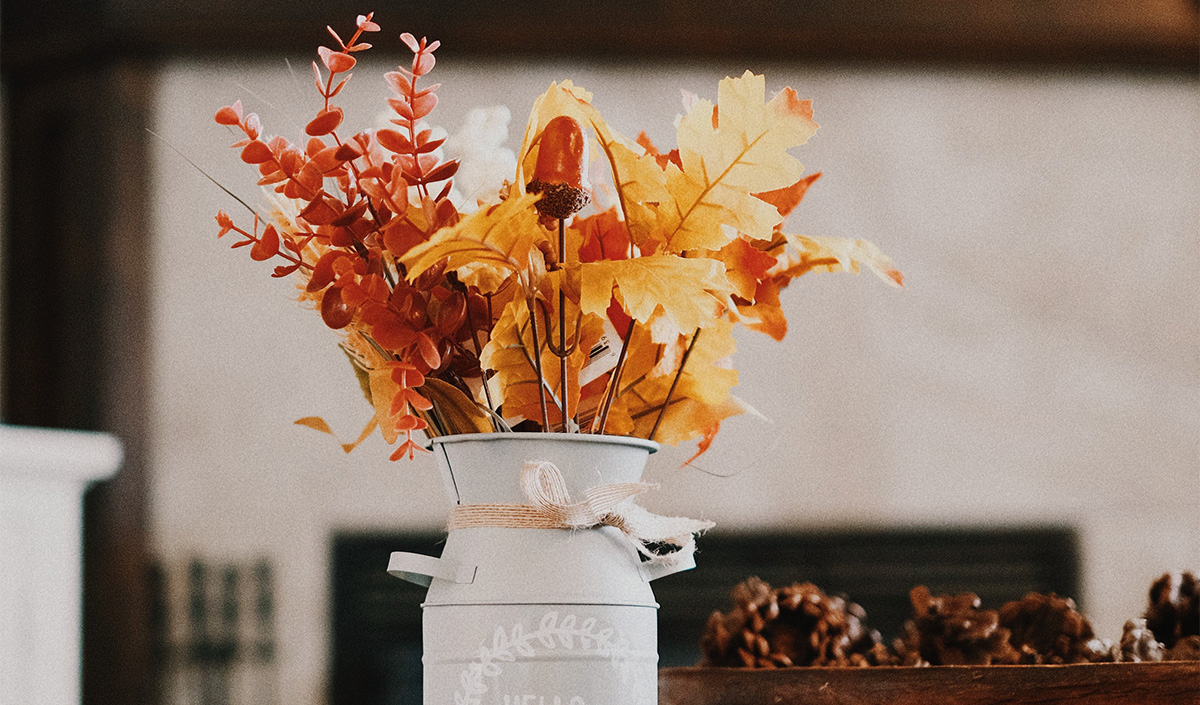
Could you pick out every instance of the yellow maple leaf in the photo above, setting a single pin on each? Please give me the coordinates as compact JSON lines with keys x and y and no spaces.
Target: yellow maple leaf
{"x":686,"y":419}
{"x":707,"y":376}
{"x":691,"y":293}
{"x":728,"y":158}
{"x":487,"y":247}
{"x":706,"y":383}
{"x":836,"y":254}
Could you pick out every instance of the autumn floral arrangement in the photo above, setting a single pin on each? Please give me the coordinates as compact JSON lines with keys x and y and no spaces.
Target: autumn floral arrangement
{"x":540,"y":310}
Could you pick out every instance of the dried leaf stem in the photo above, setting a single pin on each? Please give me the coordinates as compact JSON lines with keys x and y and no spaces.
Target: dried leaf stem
{"x":678,"y":373}
{"x":537,"y":364}
{"x":614,"y":384}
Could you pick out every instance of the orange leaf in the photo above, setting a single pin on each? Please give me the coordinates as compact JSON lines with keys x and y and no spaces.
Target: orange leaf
{"x":325,"y":122}
{"x":409,"y":448}
{"x":257,"y":152}
{"x":364,"y":23}
{"x":398,"y":82}
{"x":334,"y":311}
{"x":423,"y":104}
{"x":267,"y":245}
{"x":225,"y":222}
{"x":336,"y":61}
{"x":745,"y":266}
{"x":786,"y":199}
{"x":319,"y":212}
{"x":393,"y":141}
{"x":348,"y":151}
{"x":429,"y":352}
{"x":411,"y":42}
{"x":604,"y":236}
{"x":228,"y":116}
{"x":423,"y":64}
{"x":410,"y":423}
{"x":253,"y":126}
{"x":392,"y":333}
{"x":444,"y":171}
{"x":709,"y":434}
{"x":322,"y":272}
{"x":671,"y":157}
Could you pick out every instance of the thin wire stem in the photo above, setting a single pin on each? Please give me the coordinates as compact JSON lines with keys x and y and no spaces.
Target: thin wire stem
{"x":562,"y":324}
{"x":537,"y":365}
{"x":679,"y":373}
{"x":614,"y":383}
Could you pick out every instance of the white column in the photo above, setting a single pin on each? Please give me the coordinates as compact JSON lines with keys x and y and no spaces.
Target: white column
{"x":43,"y":474}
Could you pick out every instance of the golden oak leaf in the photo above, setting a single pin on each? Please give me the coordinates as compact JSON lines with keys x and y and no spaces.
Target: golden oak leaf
{"x":835,"y":254}
{"x":487,"y":247}
{"x":692,"y":293}
{"x":727,"y":159}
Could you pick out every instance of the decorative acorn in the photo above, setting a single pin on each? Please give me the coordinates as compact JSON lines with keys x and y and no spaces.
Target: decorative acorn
{"x":559,"y":170}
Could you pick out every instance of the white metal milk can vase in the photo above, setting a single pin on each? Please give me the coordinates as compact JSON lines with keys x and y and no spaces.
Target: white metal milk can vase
{"x":542,"y":592}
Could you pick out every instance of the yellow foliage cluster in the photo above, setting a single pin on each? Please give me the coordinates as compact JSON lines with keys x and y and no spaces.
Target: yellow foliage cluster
{"x":695,"y":246}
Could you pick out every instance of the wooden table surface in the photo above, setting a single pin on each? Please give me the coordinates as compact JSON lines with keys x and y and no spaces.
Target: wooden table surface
{"x":1168,"y":683}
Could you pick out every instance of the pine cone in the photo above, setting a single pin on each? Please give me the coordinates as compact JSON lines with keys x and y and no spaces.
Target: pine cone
{"x":1047,"y":629}
{"x":1174,"y":611}
{"x":1101,"y":651}
{"x":798,"y":625}
{"x":1138,"y":643}
{"x":1186,"y":649}
{"x":951,"y":630}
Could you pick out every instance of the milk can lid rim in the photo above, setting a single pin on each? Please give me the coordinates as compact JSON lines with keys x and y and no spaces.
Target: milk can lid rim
{"x":650,"y":446}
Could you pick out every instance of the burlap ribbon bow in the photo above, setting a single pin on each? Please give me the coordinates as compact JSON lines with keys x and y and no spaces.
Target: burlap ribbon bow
{"x":550,"y":507}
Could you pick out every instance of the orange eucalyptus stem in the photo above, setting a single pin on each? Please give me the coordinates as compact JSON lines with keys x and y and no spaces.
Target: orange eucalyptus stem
{"x":679,"y":373}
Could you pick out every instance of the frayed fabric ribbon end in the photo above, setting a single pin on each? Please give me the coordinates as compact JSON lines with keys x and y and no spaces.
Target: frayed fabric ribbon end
{"x":550,"y":507}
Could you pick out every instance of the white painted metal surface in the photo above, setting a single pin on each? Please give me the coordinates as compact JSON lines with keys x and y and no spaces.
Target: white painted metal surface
{"x":551,"y":616}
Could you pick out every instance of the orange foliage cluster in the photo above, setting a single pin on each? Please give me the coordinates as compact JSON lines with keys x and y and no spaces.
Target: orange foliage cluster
{"x":488,"y":322}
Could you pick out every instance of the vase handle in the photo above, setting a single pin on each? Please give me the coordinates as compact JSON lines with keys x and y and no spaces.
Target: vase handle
{"x":421,"y":569}
{"x":654,"y":571}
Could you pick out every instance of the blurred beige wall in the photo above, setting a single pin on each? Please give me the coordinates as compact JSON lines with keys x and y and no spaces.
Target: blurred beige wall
{"x":1040,"y":367}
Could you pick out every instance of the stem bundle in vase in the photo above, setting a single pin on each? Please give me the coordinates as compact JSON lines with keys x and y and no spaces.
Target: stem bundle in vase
{"x":543,"y":310}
